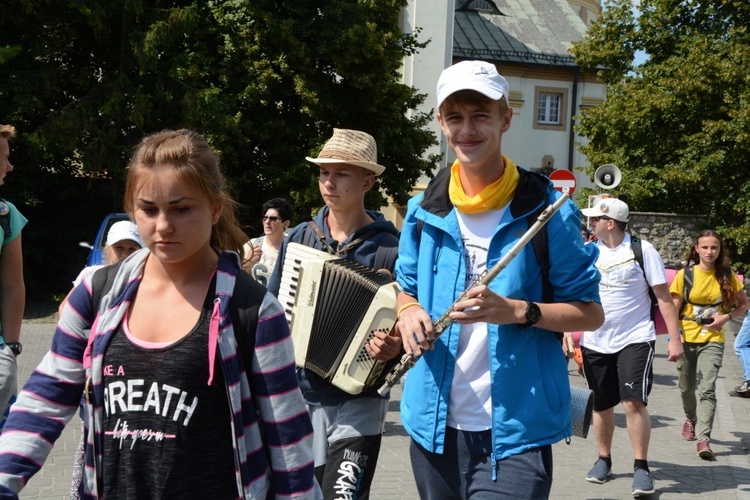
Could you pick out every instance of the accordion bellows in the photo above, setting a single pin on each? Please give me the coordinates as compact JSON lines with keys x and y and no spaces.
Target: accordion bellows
{"x":334,"y":307}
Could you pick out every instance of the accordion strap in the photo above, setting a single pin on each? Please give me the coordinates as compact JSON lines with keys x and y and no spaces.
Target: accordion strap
{"x":341,"y":251}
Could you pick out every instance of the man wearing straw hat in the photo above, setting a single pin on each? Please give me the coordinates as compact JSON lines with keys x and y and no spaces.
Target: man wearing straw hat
{"x":347,"y":429}
{"x":484,"y":405}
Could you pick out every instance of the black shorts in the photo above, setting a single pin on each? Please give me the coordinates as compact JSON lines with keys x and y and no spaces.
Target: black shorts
{"x":626,"y":375}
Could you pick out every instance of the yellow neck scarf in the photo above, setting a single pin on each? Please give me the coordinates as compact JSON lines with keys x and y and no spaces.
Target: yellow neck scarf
{"x":496,"y":195}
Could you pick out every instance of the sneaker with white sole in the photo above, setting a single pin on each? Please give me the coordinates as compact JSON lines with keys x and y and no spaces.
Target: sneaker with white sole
{"x":643,"y":483}
{"x":688,"y":430}
{"x":599,"y":473}
{"x":741,"y":391}
{"x":704,"y":449}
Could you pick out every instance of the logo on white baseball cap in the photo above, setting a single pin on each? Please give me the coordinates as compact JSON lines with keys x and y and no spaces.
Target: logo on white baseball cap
{"x":608,"y":207}
{"x":479,"y":76}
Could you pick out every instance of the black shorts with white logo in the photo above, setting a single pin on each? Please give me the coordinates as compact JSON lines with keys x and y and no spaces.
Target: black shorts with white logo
{"x":626,"y":375}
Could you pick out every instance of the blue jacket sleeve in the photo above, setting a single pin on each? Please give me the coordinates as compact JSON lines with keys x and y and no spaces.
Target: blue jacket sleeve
{"x":408,"y":250}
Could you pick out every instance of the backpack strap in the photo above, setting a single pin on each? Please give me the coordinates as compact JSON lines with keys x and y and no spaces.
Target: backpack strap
{"x":101,"y":283}
{"x":382,"y":255}
{"x":687,"y":285}
{"x":637,"y":247}
{"x":541,"y":250}
{"x":243,"y":308}
{"x":540,"y":243}
{"x":687,"y":278}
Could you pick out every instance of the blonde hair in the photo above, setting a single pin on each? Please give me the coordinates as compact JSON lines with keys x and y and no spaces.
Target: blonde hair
{"x":188,"y":155}
{"x":7,"y":132}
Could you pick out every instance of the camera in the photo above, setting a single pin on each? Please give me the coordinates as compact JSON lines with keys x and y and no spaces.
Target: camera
{"x":704,"y":321}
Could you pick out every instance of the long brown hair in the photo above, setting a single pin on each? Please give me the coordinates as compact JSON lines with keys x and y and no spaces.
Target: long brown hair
{"x":722,"y":268}
{"x":189,"y":156}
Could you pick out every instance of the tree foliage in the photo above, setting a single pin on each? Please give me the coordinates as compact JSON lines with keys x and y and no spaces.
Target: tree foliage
{"x":264,"y":81}
{"x":677,"y":125}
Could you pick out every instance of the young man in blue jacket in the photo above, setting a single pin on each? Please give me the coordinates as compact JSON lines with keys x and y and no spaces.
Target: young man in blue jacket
{"x":347,"y":429}
{"x":485,"y":404}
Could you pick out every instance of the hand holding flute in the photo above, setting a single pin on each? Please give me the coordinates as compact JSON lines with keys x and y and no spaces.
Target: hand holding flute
{"x":479,"y":305}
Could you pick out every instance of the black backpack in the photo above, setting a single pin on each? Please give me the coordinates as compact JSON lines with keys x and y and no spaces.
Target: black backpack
{"x":243,"y":308}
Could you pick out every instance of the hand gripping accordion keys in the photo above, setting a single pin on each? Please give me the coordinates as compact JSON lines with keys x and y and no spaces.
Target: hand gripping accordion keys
{"x":582,"y":399}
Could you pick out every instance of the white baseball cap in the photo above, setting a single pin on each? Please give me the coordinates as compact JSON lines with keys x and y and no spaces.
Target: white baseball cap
{"x":124,"y":230}
{"x":479,"y":76}
{"x":608,"y":207}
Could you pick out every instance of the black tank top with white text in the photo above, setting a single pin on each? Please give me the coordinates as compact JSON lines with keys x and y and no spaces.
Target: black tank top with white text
{"x":167,"y":433}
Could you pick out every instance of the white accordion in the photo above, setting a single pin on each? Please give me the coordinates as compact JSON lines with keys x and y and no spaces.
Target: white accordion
{"x":334,"y":306}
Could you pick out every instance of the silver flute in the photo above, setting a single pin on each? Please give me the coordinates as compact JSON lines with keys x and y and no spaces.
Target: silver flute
{"x":445,"y":321}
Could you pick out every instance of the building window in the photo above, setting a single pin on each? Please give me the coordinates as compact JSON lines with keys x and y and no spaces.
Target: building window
{"x":550,"y":110}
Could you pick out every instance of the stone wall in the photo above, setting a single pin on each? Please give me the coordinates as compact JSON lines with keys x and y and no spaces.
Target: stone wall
{"x":671,"y":234}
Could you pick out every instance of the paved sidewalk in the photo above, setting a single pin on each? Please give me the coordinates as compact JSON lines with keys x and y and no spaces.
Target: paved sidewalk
{"x":678,"y":471}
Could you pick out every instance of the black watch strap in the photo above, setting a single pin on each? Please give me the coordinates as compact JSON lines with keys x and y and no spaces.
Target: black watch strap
{"x":533,"y":314}
{"x":16,"y":347}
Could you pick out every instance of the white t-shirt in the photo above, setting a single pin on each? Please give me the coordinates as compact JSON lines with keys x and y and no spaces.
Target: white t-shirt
{"x":262,"y":269}
{"x":624,"y":294}
{"x":470,"y":404}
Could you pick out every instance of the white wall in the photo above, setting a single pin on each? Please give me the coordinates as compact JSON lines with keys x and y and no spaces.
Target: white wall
{"x":422,"y":70}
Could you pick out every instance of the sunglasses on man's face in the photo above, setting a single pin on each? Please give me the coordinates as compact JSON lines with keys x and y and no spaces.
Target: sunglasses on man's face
{"x":272,"y":218}
{"x":597,"y":219}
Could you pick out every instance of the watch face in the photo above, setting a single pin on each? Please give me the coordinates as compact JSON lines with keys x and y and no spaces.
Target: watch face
{"x":533,"y":313}
{"x":16,"y":347}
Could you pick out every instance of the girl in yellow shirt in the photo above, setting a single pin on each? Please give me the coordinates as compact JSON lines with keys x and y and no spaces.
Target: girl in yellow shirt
{"x":716,"y":296}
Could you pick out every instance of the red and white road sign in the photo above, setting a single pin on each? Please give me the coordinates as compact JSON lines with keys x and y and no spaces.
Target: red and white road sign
{"x":563,"y":179}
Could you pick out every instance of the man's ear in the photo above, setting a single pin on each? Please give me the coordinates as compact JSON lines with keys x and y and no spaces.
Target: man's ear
{"x":506,"y":120}
{"x":369,"y":181}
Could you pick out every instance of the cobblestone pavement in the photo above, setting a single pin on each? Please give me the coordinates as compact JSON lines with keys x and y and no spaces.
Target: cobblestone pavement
{"x":678,"y":471}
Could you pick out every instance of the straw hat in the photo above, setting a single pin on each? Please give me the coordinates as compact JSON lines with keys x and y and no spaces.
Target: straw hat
{"x":352,"y":147}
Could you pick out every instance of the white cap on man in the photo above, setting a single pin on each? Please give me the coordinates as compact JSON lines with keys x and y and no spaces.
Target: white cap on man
{"x":479,"y":76}
{"x":608,"y":207}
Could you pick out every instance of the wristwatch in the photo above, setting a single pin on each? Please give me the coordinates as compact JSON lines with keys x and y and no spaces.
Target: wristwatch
{"x":533,"y":314}
{"x":16,"y":347}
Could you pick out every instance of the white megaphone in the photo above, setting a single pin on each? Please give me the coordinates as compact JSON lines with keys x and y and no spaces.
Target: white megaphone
{"x":607,"y":176}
